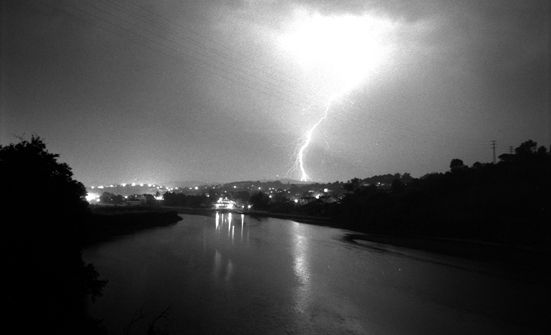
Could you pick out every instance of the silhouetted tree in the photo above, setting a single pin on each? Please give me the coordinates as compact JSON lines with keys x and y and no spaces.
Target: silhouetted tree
{"x":505,"y":202}
{"x":352,"y":185}
{"x":526,"y":148}
{"x":241,"y":196}
{"x":407,"y":178}
{"x":397,"y":186}
{"x":456,"y":164}
{"x":259,"y":200}
{"x":110,"y":198}
{"x":542,"y":151}
{"x":181,"y":199}
{"x":49,"y":282}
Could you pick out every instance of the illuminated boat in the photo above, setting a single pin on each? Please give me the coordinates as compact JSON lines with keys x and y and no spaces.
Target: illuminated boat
{"x":224,"y":204}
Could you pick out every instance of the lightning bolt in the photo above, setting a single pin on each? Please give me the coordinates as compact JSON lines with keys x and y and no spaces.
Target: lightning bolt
{"x":307,"y":139}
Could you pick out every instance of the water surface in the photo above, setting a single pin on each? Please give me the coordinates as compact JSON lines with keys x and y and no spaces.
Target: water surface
{"x":234,"y":274}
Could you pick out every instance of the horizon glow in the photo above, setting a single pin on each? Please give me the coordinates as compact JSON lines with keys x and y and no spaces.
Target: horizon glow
{"x":338,"y":53}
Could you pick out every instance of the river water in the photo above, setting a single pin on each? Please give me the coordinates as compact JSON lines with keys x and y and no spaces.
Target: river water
{"x":235,"y":274}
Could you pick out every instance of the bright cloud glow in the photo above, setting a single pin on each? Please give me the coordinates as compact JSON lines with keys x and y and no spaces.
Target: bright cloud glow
{"x":339,"y":53}
{"x":340,"y":50}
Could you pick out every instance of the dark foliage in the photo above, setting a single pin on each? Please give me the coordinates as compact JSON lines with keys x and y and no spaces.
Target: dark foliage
{"x":44,"y":210}
{"x":183,"y":200}
{"x":505,"y":202}
{"x":260,"y":200}
{"x":110,"y":198}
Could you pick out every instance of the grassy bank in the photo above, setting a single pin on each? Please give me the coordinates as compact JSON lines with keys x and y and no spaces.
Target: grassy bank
{"x":107,"y":223}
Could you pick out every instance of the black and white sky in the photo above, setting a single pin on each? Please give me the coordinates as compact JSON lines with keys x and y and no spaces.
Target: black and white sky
{"x":165,"y":90}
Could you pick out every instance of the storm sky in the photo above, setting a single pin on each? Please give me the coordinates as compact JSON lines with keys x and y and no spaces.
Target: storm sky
{"x":157,"y":91}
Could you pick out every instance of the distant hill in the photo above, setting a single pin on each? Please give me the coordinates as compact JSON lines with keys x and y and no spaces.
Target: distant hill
{"x":271,"y":181}
{"x":188,"y":183}
{"x":289,"y":181}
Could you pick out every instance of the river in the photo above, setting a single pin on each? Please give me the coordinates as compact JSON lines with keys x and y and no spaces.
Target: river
{"x":235,"y":274}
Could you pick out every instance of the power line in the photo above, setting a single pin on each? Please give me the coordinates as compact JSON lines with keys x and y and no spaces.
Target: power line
{"x":187,"y":30}
{"x":173,"y":49}
{"x":493,"y":151}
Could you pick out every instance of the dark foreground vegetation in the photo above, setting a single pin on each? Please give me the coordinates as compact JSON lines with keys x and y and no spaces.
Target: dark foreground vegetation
{"x":48,"y":283}
{"x":507,"y":202}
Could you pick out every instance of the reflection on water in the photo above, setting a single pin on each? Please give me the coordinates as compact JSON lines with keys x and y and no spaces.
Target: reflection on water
{"x":217,"y":263}
{"x":233,"y":274}
{"x":226,"y":227}
{"x":242,"y":225}
{"x":300,"y":266}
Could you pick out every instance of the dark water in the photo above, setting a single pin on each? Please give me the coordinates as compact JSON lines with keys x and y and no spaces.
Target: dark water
{"x":233,"y":274}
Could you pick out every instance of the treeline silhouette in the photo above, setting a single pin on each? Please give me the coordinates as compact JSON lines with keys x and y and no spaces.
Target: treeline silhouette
{"x":507,"y":202}
{"x":504,"y":202}
{"x":46,"y":223}
{"x":43,"y":210}
{"x":183,"y":200}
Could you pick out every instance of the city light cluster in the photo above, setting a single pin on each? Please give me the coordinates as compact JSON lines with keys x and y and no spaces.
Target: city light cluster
{"x":92,"y":197}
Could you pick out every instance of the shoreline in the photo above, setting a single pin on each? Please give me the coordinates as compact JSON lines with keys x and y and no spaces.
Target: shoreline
{"x":107,"y":223}
{"x":470,"y":249}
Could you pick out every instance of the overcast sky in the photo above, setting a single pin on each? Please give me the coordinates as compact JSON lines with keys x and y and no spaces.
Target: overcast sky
{"x":165,"y":90}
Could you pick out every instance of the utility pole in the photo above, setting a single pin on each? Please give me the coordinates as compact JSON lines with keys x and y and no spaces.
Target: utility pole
{"x":511,"y":149}
{"x":494,"y":150}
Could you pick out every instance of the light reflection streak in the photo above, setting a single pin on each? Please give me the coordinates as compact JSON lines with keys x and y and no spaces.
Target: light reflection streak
{"x":301,"y":267}
{"x":235,"y":226}
{"x":223,"y":266}
{"x":242,"y":222}
{"x":217,"y":263}
{"x":229,"y":270}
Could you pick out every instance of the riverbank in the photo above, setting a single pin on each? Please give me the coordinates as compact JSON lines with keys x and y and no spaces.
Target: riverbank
{"x":518,"y":256}
{"x":520,"y":262}
{"x":109,"y":222}
{"x":106,"y":223}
